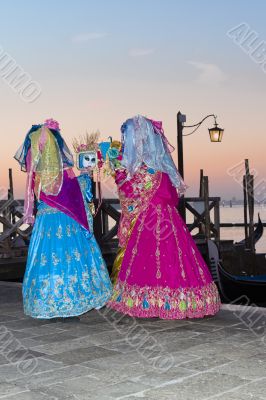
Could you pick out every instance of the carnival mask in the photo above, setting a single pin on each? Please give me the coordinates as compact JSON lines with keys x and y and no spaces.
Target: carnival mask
{"x":87,"y":160}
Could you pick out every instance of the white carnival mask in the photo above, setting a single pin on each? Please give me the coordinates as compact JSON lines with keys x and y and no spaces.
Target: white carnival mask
{"x":87,"y":159}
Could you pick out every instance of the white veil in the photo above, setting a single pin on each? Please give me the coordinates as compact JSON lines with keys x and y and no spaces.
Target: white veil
{"x":143,"y":141}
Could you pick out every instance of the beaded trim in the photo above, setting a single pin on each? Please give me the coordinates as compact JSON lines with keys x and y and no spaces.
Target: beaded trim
{"x":180,"y":253}
{"x":158,"y":238}
{"x":48,"y":211}
{"x":165,"y":302}
{"x":135,"y":248}
{"x":144,"y":187}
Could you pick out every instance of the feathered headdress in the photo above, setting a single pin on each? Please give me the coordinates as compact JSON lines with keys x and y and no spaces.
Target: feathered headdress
{"x":87,"y":142}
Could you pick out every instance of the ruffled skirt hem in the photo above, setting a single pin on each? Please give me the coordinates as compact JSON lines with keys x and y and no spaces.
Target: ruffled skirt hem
{"x":166,"y":303}
{"x":67,"y":313}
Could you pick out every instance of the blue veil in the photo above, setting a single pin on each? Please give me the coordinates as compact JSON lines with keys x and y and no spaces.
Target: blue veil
{"x":21,"y":154}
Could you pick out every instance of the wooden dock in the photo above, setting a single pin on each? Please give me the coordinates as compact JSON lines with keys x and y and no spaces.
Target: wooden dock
{"x":15,"y":235}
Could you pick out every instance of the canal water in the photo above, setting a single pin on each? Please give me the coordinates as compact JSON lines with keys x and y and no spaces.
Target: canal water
{"x":235,"y":214}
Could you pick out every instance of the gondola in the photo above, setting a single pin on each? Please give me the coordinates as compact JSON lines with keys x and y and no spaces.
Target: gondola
{"x":239,"y":289}
{"x":258,"y":233}
{"x":248,"y":290}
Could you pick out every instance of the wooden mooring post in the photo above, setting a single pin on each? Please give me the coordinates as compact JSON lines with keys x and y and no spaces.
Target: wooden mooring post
{"x":248,"y":188}
{"x":201,"y":207}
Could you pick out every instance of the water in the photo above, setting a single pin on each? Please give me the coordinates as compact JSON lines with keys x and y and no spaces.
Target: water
{"x":231,"y":215}
{"x":236,"y":215}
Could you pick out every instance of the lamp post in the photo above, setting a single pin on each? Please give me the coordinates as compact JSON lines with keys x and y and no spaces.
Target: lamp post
{"x":216,"y":135}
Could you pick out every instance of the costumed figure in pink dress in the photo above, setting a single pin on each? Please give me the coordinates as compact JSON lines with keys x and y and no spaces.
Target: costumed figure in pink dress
{"x":158,"y":272}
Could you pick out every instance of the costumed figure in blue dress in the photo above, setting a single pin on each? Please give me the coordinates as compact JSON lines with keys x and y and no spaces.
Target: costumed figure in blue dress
{"x":65,"y":275}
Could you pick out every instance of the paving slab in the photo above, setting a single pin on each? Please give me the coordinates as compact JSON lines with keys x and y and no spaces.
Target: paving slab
{"x":55,"y":377}
{"x":14,"y":371}
{"x":7,"y":389}
{"x":81,"y":355}
{"x":200,"y":386}
{"x":30,"y":395}
{"x":107,"y":355}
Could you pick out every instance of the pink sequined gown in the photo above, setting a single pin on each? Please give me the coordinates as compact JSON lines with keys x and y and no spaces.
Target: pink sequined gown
{"x":160,"y":272}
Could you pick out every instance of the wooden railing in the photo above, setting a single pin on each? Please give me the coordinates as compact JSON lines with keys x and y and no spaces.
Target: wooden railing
{"x":14,"y":240}
{"x":105,"y":223}
{"x":201,"y":209}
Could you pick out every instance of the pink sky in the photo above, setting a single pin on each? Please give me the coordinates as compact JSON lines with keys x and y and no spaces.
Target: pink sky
{"x":95,"y":75}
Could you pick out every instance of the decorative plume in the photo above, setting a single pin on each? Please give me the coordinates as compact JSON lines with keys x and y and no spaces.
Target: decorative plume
{"x":86,"y":142}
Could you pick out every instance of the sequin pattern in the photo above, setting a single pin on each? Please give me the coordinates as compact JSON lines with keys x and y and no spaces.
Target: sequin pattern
{"x":65,"y":274}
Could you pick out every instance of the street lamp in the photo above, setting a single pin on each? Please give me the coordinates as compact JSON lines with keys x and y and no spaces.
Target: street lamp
{"x":216,"y":135}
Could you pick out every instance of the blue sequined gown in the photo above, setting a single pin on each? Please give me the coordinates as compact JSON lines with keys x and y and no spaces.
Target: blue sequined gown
{"x":66,"y":275}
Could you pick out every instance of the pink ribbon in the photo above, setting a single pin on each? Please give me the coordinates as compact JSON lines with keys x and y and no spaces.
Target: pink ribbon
{"x":43,"y":138}
{"x":158,"y":128}
{"x":29,"y":195}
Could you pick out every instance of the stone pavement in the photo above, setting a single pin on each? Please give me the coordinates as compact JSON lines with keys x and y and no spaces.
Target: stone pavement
{"x":106,"y":356}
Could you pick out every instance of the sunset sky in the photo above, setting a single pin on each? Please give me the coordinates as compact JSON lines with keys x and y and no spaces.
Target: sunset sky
{"x":100,"y":62}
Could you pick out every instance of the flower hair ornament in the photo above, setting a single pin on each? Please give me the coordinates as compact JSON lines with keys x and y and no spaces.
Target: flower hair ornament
{"x":52,"y":124}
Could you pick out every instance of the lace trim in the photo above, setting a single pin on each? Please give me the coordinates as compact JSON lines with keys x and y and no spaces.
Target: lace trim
{"x":164,"y":302}
{"x":48,"y":211}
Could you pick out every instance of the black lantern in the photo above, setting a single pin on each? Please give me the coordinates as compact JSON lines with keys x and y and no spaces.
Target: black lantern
{"x":216,"y":133}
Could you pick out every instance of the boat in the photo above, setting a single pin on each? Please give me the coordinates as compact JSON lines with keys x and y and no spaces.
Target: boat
{"x":249,"y":290}
{"x":239,"y":288}
{"x":258,"y":233}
